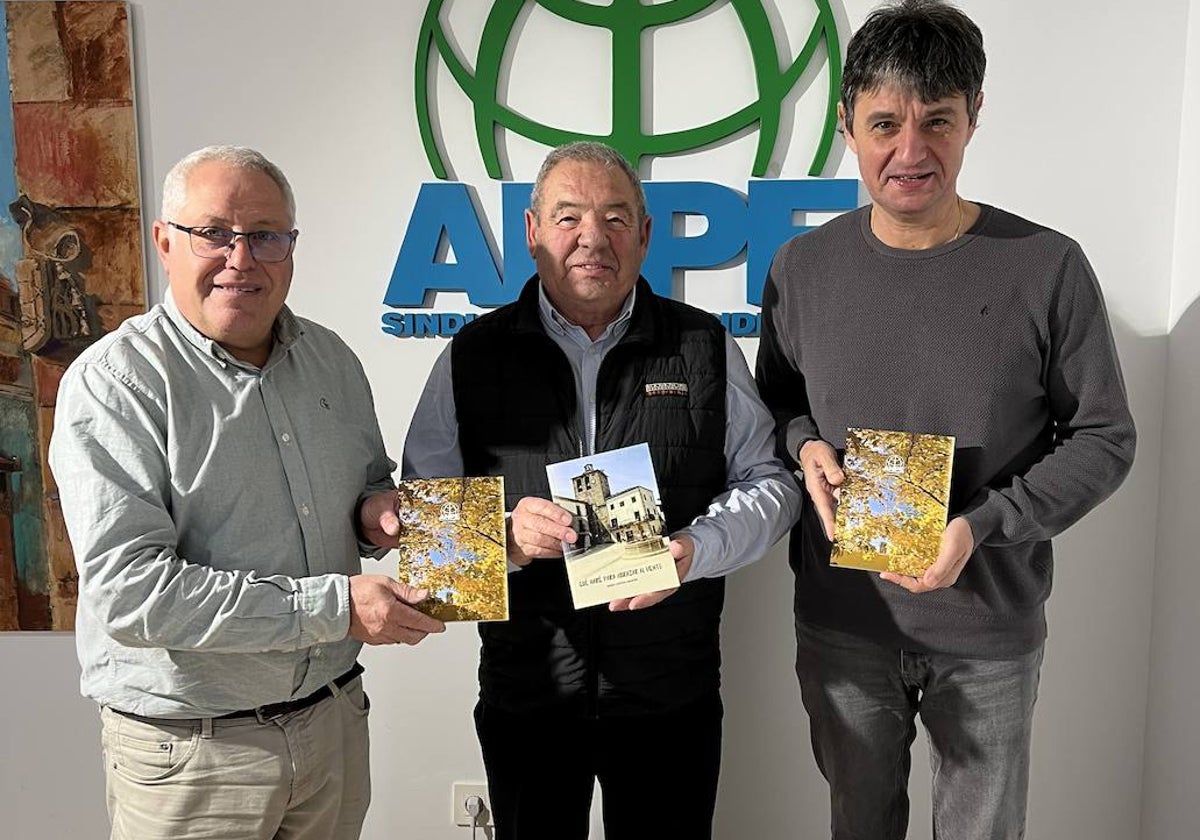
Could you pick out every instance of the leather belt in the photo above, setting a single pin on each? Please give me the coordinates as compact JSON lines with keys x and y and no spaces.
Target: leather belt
{"x":266,"y":713}
{"x":271,"y":711}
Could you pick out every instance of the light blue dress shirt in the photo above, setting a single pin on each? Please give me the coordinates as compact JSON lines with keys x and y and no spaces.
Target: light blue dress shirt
{"x":210,"y":505}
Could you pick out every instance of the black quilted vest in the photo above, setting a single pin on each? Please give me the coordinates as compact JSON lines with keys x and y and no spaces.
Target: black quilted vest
{"x":514,"y":396}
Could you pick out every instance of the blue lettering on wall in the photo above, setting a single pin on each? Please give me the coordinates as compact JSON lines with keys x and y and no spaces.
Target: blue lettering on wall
{"x":754,"y":224}
{"x":671,"y":250}
{"x":424,"y":325}
{"x":444,"y":211}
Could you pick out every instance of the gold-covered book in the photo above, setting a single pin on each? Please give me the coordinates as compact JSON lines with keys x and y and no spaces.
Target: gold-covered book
{"x":452,"y":543}
{"x":893,"y":504}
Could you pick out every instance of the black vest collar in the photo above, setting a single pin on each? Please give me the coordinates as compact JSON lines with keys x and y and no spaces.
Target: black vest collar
{"x":646,"y":322}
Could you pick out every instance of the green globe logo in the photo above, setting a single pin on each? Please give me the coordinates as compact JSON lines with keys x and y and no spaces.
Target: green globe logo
{"x":625,"y":21}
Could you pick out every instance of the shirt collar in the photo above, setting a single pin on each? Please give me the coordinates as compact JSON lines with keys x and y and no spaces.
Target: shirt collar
{"x":554,"y":322}
{"x":287,"y":331}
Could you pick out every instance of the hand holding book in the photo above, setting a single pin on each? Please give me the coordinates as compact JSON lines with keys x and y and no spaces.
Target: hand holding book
{"x":382,"y":612}
{"x":822,"y":477}
{"x":956,"y":546}
{"x":377,"y":520}
{"x":892,"y":509}
{"x":452,"y":546}
{"x":614,"y":548}
{"x":682,"y":548}
{"x":537,"y":529}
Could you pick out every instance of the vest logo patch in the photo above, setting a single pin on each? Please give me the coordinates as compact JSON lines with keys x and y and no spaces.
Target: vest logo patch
{"x":666,"y":389}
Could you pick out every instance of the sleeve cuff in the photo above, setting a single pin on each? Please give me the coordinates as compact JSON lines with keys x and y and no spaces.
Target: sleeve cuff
{"x":323,"y":603}
{"x":799,"y":432}
{"x":984,"y":517}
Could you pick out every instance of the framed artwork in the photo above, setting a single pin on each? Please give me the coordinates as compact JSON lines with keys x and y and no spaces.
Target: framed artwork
{"x":72,"y":265}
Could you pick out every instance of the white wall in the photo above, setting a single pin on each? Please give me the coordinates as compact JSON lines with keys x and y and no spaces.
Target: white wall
{"x":1081,"y":130}
{"x":1170,"y":808}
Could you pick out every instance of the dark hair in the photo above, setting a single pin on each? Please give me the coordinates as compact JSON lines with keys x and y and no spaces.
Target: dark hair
{"x":588,"y":151}
{"x":924,"y":46}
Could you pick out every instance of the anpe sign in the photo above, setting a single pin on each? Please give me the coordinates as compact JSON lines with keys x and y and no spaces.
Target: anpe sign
{"x":447,"y":218}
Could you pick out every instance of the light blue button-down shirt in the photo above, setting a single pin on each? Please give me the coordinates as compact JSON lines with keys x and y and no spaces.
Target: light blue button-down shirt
{"x":761,"y":500}
{"x":210,"y":505}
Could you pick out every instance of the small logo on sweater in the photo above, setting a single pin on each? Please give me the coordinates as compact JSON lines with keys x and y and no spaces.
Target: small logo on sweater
{"x":666,"y":389}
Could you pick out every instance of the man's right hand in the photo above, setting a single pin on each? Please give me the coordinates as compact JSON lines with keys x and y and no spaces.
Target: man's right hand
{"x":380,"y":612}
{"x":537,"y":528}
{"x":822,"y":476}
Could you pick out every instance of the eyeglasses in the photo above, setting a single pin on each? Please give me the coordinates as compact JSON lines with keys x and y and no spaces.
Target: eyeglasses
{"x":216,"y":242}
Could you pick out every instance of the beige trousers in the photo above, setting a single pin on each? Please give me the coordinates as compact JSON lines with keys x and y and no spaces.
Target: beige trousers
{"x":300,"y":777}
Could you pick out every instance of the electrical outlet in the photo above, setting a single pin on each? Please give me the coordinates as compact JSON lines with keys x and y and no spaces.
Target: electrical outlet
{"x":460,"y":792}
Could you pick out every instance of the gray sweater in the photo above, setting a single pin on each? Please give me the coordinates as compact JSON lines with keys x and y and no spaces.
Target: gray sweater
{"x":999,"y":338}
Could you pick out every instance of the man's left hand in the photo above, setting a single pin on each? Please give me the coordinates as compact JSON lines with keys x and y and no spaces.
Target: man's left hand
{"x":682,"y":548}
{"x":377,"y":520}
{"x":957,"y":545}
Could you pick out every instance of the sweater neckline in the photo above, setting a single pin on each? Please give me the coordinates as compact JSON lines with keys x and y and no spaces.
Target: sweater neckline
{"x":880,"y":247}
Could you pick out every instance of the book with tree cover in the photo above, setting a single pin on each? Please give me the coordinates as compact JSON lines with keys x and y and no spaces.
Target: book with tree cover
{"x":892,"y":506}
{"x":617,"y":514}
{"x":452,"y":543}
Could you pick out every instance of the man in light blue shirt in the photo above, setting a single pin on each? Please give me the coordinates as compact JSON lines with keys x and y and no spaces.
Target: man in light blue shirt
{"x":221,"y":471}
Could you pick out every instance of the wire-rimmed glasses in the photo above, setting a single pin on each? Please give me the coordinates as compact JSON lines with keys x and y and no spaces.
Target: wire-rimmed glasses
{"x":211,"y":242}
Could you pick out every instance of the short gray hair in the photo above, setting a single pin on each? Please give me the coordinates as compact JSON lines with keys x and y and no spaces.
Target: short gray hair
{"x":240,"y":157}
{"x":587,"y":151}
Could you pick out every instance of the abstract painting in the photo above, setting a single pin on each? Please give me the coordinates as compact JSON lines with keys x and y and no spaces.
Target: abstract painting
{"x":71,"y":264}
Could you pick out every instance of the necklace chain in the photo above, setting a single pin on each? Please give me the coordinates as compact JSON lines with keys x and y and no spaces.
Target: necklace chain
{"x":961,"y":216}
{"x":958,"y":228}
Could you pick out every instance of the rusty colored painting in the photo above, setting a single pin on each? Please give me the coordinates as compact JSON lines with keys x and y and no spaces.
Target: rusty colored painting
{"x":71,"y":264}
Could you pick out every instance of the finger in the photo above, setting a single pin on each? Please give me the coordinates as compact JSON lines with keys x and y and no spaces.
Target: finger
{"x":406,"y":592}
{"x":682,"y":547}
{"x":389,"y":523}
{"x":540,"y":545}
{"x":540,"y":542}
{"x":406,"y":636}
{"x":825,"y":512}
{"x":945,"y":568}
{"x":935,"y":577}
{"x":534,"y":507}
{"x":912,"y":584}
{"x":834,"y":474}
{"x":649,"y":599}
{"x":410,"y":619}
{"x":940,"y":577}
{"x":542,"y":527}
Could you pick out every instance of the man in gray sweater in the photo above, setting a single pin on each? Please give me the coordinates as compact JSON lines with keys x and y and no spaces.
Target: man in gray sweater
{"x":925,"y":312}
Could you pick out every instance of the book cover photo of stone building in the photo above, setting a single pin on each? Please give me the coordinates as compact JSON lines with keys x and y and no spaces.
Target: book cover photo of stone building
{"x":614,"y":501}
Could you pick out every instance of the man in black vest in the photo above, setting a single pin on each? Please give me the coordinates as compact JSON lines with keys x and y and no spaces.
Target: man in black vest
{"x":589,"y":359}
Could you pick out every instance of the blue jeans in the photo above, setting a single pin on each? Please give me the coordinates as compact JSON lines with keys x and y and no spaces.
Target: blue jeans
{"x":862,"y":700}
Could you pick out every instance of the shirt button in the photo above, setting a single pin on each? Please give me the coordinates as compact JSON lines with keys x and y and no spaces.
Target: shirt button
{"x":304,"y":509}
{"x":285,"y":437}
